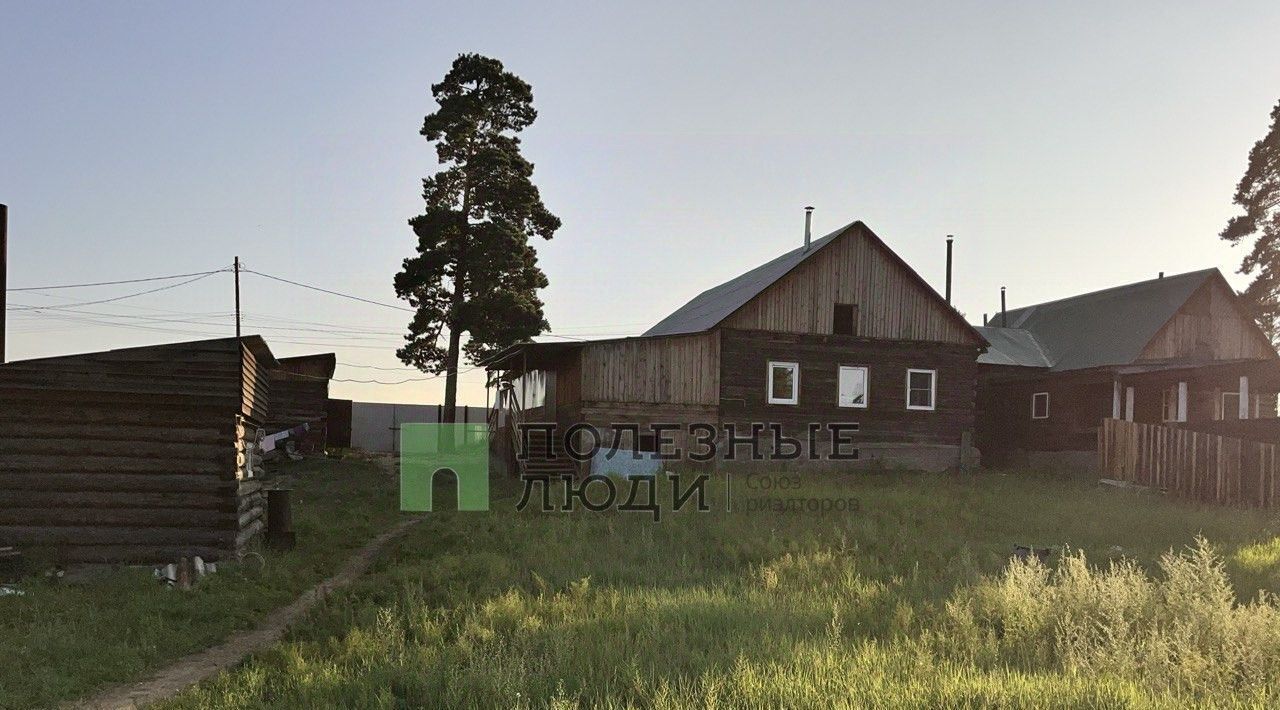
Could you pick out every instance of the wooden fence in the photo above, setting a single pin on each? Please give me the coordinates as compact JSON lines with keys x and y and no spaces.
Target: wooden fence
{"x":1190,"y":464}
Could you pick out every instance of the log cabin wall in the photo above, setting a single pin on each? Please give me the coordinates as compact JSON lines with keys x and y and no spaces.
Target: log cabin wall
{"x":1209,"y":325}
{"x":255,"y":385}
{"x":745,"y":357}
{"x":854,"y":269}
{"x":128,"y":455}
{"x":1078,"y":402}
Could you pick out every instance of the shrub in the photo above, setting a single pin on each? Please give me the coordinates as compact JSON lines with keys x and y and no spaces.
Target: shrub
{"x":1182,"y":632}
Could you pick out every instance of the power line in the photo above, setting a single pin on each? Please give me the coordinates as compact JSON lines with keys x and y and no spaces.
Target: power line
{"x":114,"y":283}
{"x":205,"y":275}
{"x":375,"y":367}
{"x":325,"y":290}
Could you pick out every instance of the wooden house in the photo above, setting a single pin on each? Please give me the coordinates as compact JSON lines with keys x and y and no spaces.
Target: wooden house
{"x":134,"y":455}
{"x":1178,"y":350}
{"x":837,"y":330}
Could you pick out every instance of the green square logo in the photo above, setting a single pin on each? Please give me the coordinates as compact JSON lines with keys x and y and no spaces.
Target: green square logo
{"x":426,"y":450}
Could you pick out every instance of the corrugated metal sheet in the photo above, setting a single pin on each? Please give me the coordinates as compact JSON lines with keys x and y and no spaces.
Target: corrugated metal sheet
{"x":1108,"y":327}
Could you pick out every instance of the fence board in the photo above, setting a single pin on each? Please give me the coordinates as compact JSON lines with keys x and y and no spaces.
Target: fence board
{"x":1190,"y":464}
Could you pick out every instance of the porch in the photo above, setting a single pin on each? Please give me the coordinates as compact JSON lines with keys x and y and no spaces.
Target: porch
{"x":1236,"y":397}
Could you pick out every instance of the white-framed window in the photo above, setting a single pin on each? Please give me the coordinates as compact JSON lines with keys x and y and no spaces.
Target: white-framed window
{"x":922,"y":389}
{"x":1040,"y":405}
{"x":784,"y":383}
{"x":851,"y":381}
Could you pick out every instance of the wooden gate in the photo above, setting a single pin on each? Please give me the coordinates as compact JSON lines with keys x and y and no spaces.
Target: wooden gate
{"x":1190,"y":464}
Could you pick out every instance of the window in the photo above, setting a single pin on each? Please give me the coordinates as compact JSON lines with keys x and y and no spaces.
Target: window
{"x":1040,"y":405}
{"x":852,"y":383}
{"x":922,"y":387}
{"x":1230,"y":406}
{"x":1169,"y":404}
{"x":784,"y":383}
{"x":844,"y":321}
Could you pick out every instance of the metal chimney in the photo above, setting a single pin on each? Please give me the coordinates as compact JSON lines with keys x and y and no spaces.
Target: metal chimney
{"x":1004,"y":314}
{"x":949,"y":238}
{"x":4,"y":272}
{"x":808,"y":224}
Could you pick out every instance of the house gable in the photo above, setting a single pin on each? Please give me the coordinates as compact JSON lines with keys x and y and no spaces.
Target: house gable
{"x":1210,"y":325}
{"x":892,"y":302}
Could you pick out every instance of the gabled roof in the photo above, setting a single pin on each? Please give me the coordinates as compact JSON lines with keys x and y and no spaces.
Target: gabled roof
{"x":709,"y":308}
{"x":1108,"y":327}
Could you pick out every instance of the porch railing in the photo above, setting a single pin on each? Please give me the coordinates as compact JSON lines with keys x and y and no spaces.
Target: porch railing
{"x":1190,"y":464}
{"x":508,"y":414}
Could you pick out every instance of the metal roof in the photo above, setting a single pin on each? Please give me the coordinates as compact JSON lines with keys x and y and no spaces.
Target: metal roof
{"x":255,"y":343}
{"x":1108,"y":327}
{"x":710,"y":307}
{"x":1012,"y":346}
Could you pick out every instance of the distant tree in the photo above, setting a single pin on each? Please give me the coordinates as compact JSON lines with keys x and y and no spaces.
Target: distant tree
{"x":475,"y":271}
{"x":1259,"y":195}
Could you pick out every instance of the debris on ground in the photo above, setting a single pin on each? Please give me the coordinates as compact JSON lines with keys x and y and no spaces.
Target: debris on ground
{"x":184,"y":573}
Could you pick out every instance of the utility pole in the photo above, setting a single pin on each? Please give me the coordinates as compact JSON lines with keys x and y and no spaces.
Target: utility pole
{"x":237,"y":270}
{"x":4,"y":273}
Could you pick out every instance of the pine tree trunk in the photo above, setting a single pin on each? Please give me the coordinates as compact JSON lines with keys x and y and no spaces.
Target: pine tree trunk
{"x":451,"y":378}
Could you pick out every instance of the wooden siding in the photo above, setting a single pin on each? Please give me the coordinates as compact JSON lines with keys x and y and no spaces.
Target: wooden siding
{"x":675,"y":370}
{"x":855,"y":269}
{"x":886,"y":420}
{"x":1209,"y":325}
{"x":299,"y":392}
{"x":124,"y":456}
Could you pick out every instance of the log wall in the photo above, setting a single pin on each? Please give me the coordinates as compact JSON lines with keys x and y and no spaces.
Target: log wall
{"x":129,"y":455}
{"x":885,"y":420}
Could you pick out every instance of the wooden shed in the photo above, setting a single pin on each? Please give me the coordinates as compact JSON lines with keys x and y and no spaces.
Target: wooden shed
{"x":133,"y":455}
{"x":300,"y":395}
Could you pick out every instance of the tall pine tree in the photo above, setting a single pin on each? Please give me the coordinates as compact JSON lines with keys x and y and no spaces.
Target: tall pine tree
{"x":475,"y":271}
{"x":1259,"y":195}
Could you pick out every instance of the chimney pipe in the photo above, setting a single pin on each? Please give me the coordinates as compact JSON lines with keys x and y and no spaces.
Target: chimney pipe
{"x":1161,"y":275}
{"x":1004,"y":314}
{"x":949,"y":238}
{"x":808,"y":222}
{"x":4,"y":274}
{"x":984,"y":320}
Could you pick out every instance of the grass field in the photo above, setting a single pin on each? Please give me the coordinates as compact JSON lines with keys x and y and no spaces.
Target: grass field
{"x":910,"y":601}
{"x":61,"y":640}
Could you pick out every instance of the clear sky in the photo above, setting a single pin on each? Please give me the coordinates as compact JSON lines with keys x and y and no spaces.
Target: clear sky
{"x":1068,"y":147}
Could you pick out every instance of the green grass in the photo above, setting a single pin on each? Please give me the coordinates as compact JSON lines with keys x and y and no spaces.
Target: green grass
{"x":61,"y":641}
{"x":909,"y":602}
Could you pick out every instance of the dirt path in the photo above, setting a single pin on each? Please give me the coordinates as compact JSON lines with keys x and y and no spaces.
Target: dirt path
{"x":189,"y":670}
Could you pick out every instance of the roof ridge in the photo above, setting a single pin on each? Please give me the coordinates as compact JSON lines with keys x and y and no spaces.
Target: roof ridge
{"x":1109,"y":289}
